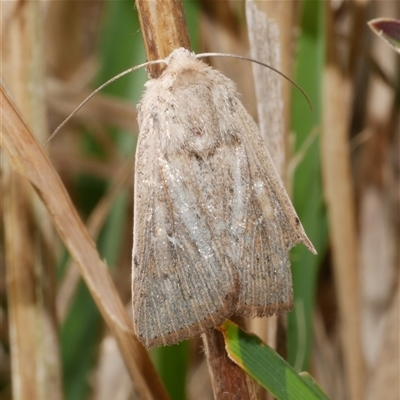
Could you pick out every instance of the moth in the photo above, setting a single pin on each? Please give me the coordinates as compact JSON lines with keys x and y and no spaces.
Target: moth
{"x":213,"y":223}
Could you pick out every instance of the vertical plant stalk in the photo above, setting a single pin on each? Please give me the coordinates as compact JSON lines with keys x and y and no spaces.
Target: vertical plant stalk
{"x":339,"y":196}
{"x":264,"y":43}
{"x":164,"y":29}
{"x":31,"y":283}
{"x":340,"y":208}
{"x":384,"y":379}
{"x":283,"y":14}
{"x":228,"y":380}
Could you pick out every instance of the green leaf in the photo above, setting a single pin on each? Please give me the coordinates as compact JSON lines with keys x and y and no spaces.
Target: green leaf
{"x":172,"y":364}
{"x":307,"y":188}
{"x":387,"y":29}
{"x":79,"y":337}
{"x":313,"y":383}
{"x":267,"y":367}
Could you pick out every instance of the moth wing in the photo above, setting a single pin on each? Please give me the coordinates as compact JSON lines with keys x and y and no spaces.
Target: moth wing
{"x":184,"y":280}
{"x":272,"y":229}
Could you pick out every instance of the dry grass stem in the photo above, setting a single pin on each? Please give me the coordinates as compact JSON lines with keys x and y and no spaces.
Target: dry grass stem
{"x":228,"y":380}
{"x":27,"y":157}
{"x":94,"y":224}
{"x":264,"y":46}
{"x":111,"y":380}
{"x":384,"y":381}
{"x":327,"y":369}
{"x":283,"y":13}
{"x":164,"y":29}
{"x":31,"y":283}
{"x":339,"y":197}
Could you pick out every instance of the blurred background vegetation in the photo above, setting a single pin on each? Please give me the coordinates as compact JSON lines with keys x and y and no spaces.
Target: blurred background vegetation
{"x":346,"y":194}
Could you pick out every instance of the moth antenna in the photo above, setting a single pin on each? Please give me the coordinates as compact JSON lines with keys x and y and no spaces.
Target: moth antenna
{"x":203,"y":55}
{"x":120,"y":75}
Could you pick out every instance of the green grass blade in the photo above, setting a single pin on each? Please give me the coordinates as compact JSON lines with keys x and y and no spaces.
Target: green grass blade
{"x":267,"y":367}
{"x":313,"y":383}
{"x":307,"y":190}
{"x":172,"y":364}
{"x":79,"y":338}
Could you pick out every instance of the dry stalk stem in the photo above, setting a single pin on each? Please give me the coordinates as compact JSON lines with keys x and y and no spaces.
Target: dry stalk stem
{"x":228,"y":380}
{"x":94,"y":223}
{"x":27,"y":157}
{"x":264,"y":44}
{"x":21,"y":286}
{"x":340,"y":207}
{"x":164,"y":29}
{"x":384,"y":379}
{"x":283,"y":14}
{"x":339,"y":196}
{"x":31,"y":283}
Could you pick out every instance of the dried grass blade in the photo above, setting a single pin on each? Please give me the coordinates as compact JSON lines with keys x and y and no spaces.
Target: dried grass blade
{"x":264,"y":46}
{"x":28,"y":158}
{"x":94,"y":224}
{"x":339,"y":197}
{"x":30,"y":294}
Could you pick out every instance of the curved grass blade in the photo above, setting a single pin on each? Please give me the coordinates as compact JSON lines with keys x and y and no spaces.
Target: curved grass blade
{"x":267,"y":367}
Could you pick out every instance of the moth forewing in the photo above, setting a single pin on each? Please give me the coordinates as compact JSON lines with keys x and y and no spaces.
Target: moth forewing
{"x":272,"y":229}
{"x":266,"y":180}
{"x":177,"y":264}
{"x":184,"y":281}
{"x":213,"y":223}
